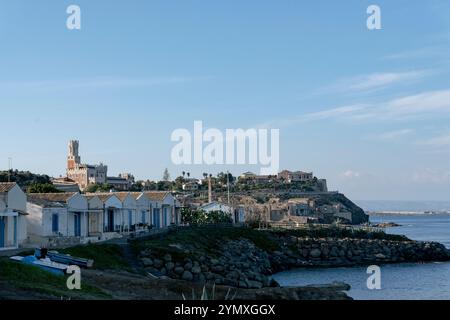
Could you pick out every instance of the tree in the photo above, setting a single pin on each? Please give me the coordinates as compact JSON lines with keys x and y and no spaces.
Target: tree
{"x":42,"y":188}
{"x":178,"y":184}
{"x":166,"y":175}
{"x":24,"y":178}
{"x":195,"y":216}
{"x":93,"y":188}
{"x":224,"y":178}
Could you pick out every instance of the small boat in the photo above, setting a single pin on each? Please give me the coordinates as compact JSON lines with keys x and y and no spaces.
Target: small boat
{"x":67,"y":259}
{"x":64,"y":258}
{"x":45,"y":264}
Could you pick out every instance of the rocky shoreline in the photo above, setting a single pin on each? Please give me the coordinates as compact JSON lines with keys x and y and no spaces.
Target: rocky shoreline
{"x":242,"y":264}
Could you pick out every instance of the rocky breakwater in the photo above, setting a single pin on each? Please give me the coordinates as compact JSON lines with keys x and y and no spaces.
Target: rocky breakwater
{"x":299,"y":252}
{"x":240,"y":263}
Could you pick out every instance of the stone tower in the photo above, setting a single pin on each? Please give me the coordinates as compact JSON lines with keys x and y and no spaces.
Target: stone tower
{"x":73,"y":159}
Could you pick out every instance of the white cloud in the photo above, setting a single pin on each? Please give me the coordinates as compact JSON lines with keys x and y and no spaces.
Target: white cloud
{"x":392,"y":135}
{"x":429,"y":175}
{"x":372,"y":82}
{"x":350,"y":174}
{"x":430,"y":103}
{"x":420,"y":53}
{"x":439,"y":141}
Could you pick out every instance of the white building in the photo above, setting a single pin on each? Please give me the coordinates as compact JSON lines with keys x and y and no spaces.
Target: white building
{"x":13,"y":230}
{"x":70,"y":218}
{"x":297,"y":176}
{"x":190,"y":186}
{"x":129,"y":211}
{"x":126,"y":212}
{"x":110,"y":208}
{"x":165,"y":209}
{"x":58,"y":215}
{"x":217,"y":206}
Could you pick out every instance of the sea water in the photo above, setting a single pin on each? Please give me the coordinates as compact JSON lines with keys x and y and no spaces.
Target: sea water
{"x":406,"y":281}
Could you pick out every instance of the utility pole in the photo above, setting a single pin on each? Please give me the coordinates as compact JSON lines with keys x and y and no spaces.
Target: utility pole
{"x":228,"y":186}
{"x":9,"y":169}
{"x":209,"y":189}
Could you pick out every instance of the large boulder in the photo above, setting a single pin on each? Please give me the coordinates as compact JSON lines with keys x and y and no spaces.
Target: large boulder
{"x":187,"y":276}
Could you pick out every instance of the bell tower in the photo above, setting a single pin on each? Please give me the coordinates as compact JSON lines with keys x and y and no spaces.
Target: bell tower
{"x":73,"y":159}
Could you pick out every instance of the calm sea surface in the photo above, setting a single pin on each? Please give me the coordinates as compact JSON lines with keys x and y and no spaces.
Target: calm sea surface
{"x":399,"y":281}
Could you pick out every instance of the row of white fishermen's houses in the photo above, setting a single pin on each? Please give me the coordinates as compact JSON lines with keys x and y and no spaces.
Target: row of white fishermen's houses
{"x":71,"y":218}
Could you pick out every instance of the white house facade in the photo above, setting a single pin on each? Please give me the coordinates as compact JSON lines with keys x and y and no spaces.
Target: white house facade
{"x":57,"y":215}
{"x":68,"y":218}
{"x":13,"y":231}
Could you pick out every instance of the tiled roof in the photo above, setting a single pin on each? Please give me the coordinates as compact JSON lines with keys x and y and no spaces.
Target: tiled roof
{"x":102,"y":196}
{"x":136,"y":195}
{"x":121,"y":195}
{"x":6,"y":186}
{"x":157,"y":195}
{"x":50,"y":199}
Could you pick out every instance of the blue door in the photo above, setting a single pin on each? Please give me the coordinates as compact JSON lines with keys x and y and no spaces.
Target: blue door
{"x":143,"y":216}
{"x":55,"y":223}
{"x":166,"y":217}
{"x":2,"y":232}
{"x":110,"y":221}
{"x":130,"y":218}
{"x":15,"y":230}
{"x":156,"y":218}
{"x":77,"y":224}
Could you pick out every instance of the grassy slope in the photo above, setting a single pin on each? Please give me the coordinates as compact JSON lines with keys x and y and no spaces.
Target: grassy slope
{"x":204,"y":240}
{"x":32,"y":279}
{"x":209,"y":239}
{"x":110,"y":257}
{"x":105,"y":256}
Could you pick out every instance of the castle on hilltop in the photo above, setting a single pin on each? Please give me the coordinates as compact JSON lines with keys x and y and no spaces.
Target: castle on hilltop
{"x":84,"y":174}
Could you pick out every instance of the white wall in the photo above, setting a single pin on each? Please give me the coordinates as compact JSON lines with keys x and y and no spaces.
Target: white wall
{"x":17,"y":199}
{"x":39,"y":220}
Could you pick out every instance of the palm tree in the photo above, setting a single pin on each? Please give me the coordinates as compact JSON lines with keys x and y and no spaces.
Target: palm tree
{"x":184,"y":174}
{"x":189,"y":175}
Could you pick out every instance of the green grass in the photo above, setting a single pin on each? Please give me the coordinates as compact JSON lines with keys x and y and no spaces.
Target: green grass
{"x":340,"y":233}
{"x":36,"y":280}
{"x":205,"y":239}
{"x":105,"y":256}
{"x":209,"y":239}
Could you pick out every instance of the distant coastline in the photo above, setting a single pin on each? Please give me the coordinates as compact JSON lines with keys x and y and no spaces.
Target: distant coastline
{"x":404,"y":208}
{"x":407,"y":213}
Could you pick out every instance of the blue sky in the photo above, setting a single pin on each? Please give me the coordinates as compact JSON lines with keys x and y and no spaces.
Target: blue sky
{"x":368,"y":110}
